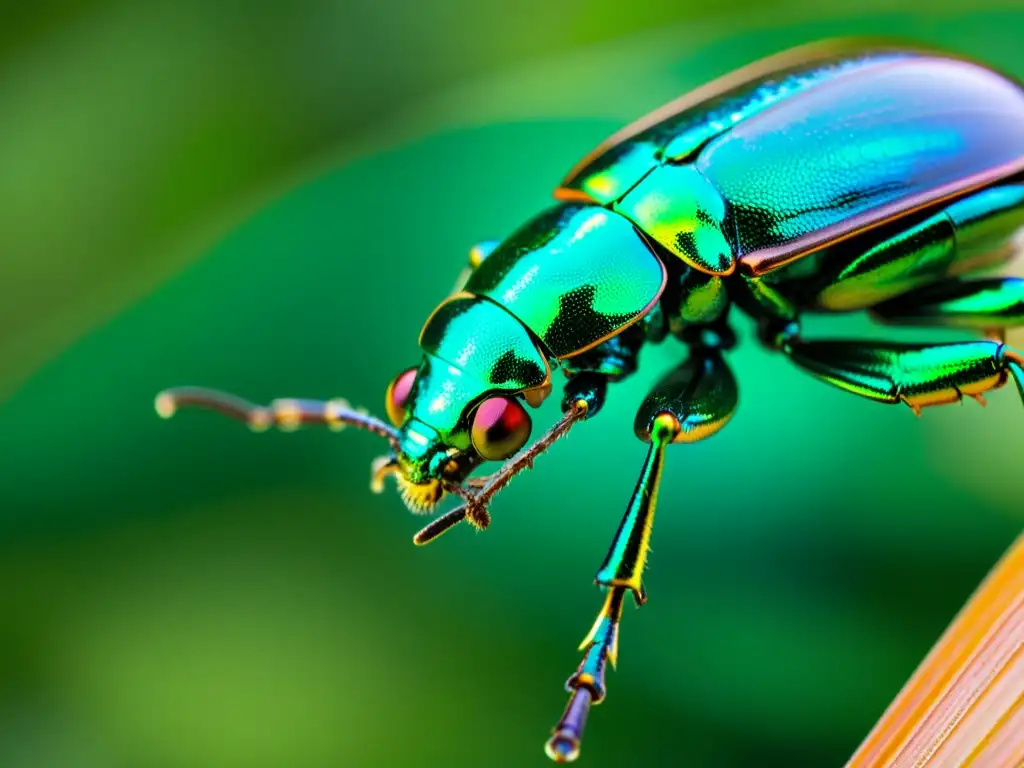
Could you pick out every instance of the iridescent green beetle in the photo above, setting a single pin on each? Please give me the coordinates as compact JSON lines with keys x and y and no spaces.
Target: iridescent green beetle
{"x":824,"y":179}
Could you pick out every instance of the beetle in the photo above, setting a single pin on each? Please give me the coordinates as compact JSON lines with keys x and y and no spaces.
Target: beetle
{"x":837,"y":177}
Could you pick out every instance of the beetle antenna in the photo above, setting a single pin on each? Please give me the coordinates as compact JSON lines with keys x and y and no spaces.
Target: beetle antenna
{"x":286,"y":413}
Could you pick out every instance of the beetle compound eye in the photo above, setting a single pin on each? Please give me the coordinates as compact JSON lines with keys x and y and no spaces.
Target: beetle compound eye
{"x":397,"y":396}
{"x":501,"y":426}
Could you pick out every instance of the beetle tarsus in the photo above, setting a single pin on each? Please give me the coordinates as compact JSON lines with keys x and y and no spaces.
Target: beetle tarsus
{"x":564,"y":744}
{"x":587,"y":683}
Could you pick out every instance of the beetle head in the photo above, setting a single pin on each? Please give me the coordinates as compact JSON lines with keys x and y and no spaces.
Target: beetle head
{"x":465,"y":403}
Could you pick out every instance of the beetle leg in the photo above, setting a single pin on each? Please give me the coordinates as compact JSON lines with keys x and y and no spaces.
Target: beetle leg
{"x":777,"y":317}
{"x":690,"y":403}
{"x":990,"y":305}
{"x":622,"y":572}
{"x":917,"y":375}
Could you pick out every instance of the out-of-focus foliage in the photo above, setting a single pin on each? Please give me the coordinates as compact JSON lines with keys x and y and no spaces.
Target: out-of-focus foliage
{"x":271,"y":199}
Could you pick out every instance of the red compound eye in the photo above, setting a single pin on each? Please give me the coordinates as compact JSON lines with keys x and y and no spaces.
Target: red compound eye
{"x":501,"y":426}
{"x":397,"y":397}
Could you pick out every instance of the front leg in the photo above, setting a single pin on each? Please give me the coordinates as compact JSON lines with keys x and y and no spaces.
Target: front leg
{"x":692,"y":402}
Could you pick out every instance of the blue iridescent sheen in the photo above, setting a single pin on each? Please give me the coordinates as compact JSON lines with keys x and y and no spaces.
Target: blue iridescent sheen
{"x":676,"y":130}
{"x":807,"y":155}
{"x":866,"y":147}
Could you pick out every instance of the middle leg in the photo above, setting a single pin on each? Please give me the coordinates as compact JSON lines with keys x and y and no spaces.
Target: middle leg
{"x":928,"y":374}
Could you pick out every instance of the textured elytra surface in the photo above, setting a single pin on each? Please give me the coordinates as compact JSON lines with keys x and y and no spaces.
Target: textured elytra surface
{"x":573,"y":275}
{"x":680,"y":209}
{"x":864,"y":147}
{"x":807,"y":156}
{"x":673,"y":132}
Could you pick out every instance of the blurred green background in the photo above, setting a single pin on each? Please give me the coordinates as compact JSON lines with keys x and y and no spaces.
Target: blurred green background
{"x":270,"y":198}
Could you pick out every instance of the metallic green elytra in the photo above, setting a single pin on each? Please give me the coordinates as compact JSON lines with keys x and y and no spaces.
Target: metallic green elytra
{"x":575,"y":275}
{"x":683,"y":212}
{"x":836,"y":178}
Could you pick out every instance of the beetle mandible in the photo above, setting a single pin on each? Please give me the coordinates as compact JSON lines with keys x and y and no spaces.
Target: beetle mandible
{"x":830,"y":178}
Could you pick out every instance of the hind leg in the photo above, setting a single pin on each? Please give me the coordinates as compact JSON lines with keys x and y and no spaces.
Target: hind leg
{"x":907,"y":280}
{"x":917,"y":375}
